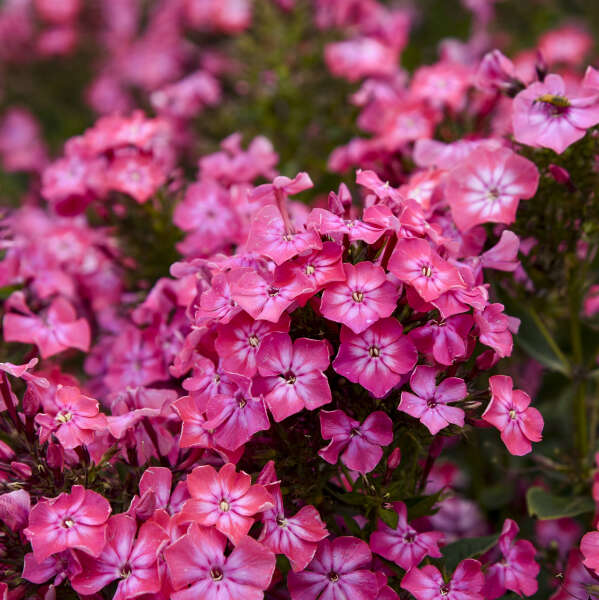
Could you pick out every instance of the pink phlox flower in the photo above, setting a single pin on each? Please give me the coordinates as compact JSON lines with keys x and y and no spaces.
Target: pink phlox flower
{"x":460,"y":300}
{"x":495,"y":72}
{"x":589,"y":546}
{"x":192,"y":415}
{"x":238,"y":342}
{"x":427,"y":583}
{"x":131,"y":560}
{"x":296,"y":537}
{"x":281,"y":186}
{"x":270,"y":236}
{"x":73,"y":419}
{"x":327,"y":223}
{"x":58,"y":567}
{"x":548,"y":115}
{"x":360,"y":445}
{"x":444,"y":342}
{"x":404,"y":545}
{"x":198,"y":567}
{"x":383,"y":191}
{"x":430,"y":402}
{"x":14,"y":508}
{"x":55,"y":330}
{"x":503,"y":256}
{"x":267,"y":299}
{"x":362,"y":299}
{"x":517,"y":570}
{"x":292,"y":374}
{"x":432,"y":153}
{"x":216,"y":302}
{"x":225,"y":499}
{"x":135,"y":174}
{"x":76,"y":520}
{"x":494,"y":329}
{"x":377,"y":358}
{"x":208,"y":380}
{"x":340,"y":569}
{"x":567,"y":45}
{"x":442,"y":84}
{"x":155,"y":488}
{"x":23,"y":372}
{"x":578,"y":581}
{"x":489,"y":189}
{"x":414,"y":261}
{"x":509,"y":410}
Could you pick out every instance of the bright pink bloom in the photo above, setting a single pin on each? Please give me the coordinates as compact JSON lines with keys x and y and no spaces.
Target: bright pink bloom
{"x":360,"y":444}
{"x":238,"y":342}
{"x":292,"y":374}
{"x":589,"y":545}
{"x":14,"y":509}
{"x":494,"y":329}
{"x":198,"y":567}
{"x":137,"y":175}
{"x":362,"y":299}
{"x":296,"y":537}
{"x":226,"y":499}
{"x":281,"y":186}
{"x":404,"y":545}
{"x":73,"y":419}
{"x":328,"y":223}
{"x":427,"y":583}
{"x":503,"y":256}
{"x":489,"y":188}
{"x":322,"y":267}
{"x":57,"y":567}
{"x":510,"y":411}
{"x":339,"y":570}
{"x":495,"y":72}
{"x":547,"y":115}
{"x":76,"y":520}
{"x":56,"y":331}
{"x":376,"y":358}
{"x":414,"y":261}
{"x":131,"y":560}
{"x":517,"y":571}
{"x":361,"y":57}
{"x":578,"y":582}
{"x":430,"y":402}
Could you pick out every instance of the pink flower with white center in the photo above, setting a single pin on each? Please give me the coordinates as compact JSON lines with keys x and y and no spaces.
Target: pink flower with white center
{"x":494,"y":329}
{"x":362,"y":299}
{"x":430,"y":402}
{"x":57,"y":567}
{"x":226,"y":499}
{"x":198,"y":567}
{"x":360,"y":445}
{"x":340,"y":569}
{"x":269,"y":236}
{"x":328,"y":223}
{"x":489,"y":188}
{"x":209,"y":379}
{"x":404,"y":545}
{"x":321,"y":267}
{"x":296,"y":537}
{"x":73,"y":419}
{"x":137,"y":175}
{"x":76,"y":520}
{"x":495,"y":72}
{"x":193,"y":433}
{"x":428,"y":584}
{"x":268,"y":300}
{"x":547,"y":115}
{"x":56,"y":330}
{"x":376,"y":358}
{"x":444,"y":83}
{"x":578,"y":581}
{"x":155,"y":485}
{"x":292,"y":374}
{"x":129,"y":559}
{"x":238,"y":342}
{"x":510,"y":411}
{"x":517,"y":571}
{"x":216,"y":303}
{"x":414,"y":261}
{"x":361,"y":57}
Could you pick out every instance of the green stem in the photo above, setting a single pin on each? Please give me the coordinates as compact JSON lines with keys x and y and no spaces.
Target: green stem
{"x":549,"y":339}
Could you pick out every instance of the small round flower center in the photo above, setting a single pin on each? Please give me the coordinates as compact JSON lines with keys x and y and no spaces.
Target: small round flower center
{"x":427,"y":271}
{"x":290,"y":378}
{"x":216,"y":378}
{"x":310,"y":270}
{"x":333,"y":577}
{"x":493,"y":194}
{"x":357,"y":296}
{"x":125,"y":571}
{"x":64,"y":416}
{"x":224,"y":505}
{"x":444,"y":590}
{"x":513,"y":414}
{"x":241,"y":402}
{"x":431,"y":403}
{"x":281,"y":521}
{"x":374,"y":351}
{"x":287,"y":237}
{"x":253,"y":341}
{"x":273,"y":291}
{"x":216,"y":574}
{"x":409,"y":538}
{"x":68,"y":523}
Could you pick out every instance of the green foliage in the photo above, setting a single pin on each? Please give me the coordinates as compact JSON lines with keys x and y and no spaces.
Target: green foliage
{"x":543,"y":505}
{"x":457,"y":551}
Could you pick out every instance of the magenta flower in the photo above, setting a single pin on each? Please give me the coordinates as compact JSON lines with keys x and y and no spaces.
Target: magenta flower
{"x":494,"y":329}
{"x":292,"y":374}
{"x":76,"y":520}
{"x":328,"y":223}
{"x":226,"y":499}
{"x":360,"y":444}
{"x":238,"y":342}
{"x":296,"y":537}
{"x":404,"y":545}
{"x":56,"y":331}
{"x":428,"y":584}
{"x":489,"y":188}
{"x":430,"y":402}
{"x":73,"y":419}
{"x":517,"y":570}
{"x":130,"y":560}
{"x":362,"y":299}
{"x":510,"y":411}
{"x":578,"y":582}
{"x":414,"y":261}
{"x":376,"y":358}
{"x":547,"y":115}
{"x":322,"y":267}
{"x":339,"y":570}
{"x":198,"y":567}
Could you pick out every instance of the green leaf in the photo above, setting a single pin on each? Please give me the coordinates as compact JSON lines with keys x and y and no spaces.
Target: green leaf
{"x":543,"y":505}
{"x":389,"y":517}
{"x":456,"y":552}
{"x":421,"y":506}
